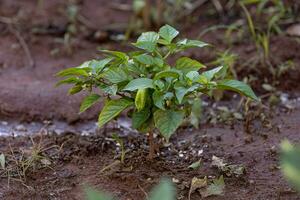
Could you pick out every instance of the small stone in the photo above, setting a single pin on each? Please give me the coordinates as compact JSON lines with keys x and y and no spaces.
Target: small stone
{"x":265,"y":135}
{"x":200,"y":152}
{"x":175,"y":180}
{"x":20,"y":128}
{"x":45,"y":162}
{"x":48,"y":122}
{"x":4,"y":123}
{"x":248,"y":139}
{"x":273,"y":150}
{"x":251,"y":182}
{"x":294,"y":30}
{"x":85,"y":133}
{"x":218,"y":138}
{"x":58,"y":131}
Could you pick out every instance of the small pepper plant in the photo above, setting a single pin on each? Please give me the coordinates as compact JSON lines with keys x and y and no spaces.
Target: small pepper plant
{"x":156,"y":94}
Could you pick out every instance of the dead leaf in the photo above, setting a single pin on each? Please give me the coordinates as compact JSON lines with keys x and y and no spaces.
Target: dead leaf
{"x":197,"y":183}
{"x":228,"y":169}
{"x":218,"y":162}
{"x":237,"y":170}
{"x":216,"y":188}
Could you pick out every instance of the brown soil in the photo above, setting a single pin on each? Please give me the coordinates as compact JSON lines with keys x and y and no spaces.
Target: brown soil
{"x":27,"y":93}
{"x":81,"y":159}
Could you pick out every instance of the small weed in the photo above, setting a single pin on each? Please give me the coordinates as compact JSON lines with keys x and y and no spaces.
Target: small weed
{"x":17,"y":164}
{"x":121,"y":143}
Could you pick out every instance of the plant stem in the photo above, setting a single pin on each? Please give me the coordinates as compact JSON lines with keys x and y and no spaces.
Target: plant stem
{"x":151,"y":145}
{"x":147,"y":15}
{"x":159,"y":7}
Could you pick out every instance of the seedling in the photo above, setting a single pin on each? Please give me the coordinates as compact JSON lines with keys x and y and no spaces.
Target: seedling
{"x":262,"y":37}
{"x":121,"y":143}
{"x":156,"y":94}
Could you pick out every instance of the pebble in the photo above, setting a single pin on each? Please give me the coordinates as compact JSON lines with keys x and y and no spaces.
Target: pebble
{"x":174,"y":180}
{"x":4,"y":123}
{"x":273,"y":150}
{"x":85,"y":133}
{"x":58,"y":131}
{"x":200,"y":152}
{"x":20,"y":128}
{"x":248,"y":139}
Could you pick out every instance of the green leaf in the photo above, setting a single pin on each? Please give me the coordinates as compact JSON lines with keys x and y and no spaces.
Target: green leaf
{"x":186,"y":65}
{"x":159,"y":62}
{"x":168,"y":33}
{"x":116,"y":54}
{"x":237,"y":86}
{"x":75,"y":89}
{"x":195,"y":165}
{"x":138,"y":6}
{"x":109,"y":89}
{"x":147,"y":41}
{"x":160,"y":97}
{"x":193,"y":76}
{"x":139,"y":118}
{"x":112,"y":109}
{"x":73,"y":72}
{"x":186,"y":43}
{"x":140,"y":83}
{"x":181,"y":91}
{"x":98,"y":65}
{"x":92,"y":194}
{"x":136,"y":68}
{"x":115,"y":75}
{"x":141,"y":99}
{"x":210,"y":74}
{"x":290,"y":163}
{"x":88,"y":102}
{"x":145,"y":59}
{"x":167,"y":121}
{"x":164,"y":191}
{"x":70,"y":80}
{"x":167,"y":74}
{"x":159,"y":84}
{"x":196,"y":112}
{"x":2,"y":161}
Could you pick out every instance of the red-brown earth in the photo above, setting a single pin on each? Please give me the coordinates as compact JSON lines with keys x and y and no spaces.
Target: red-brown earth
{"x":27,"y":95}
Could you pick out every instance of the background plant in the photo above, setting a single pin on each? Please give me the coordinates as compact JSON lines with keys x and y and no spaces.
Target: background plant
{"x":165,"y":190}
{"x":157,"y":95}
{"x":290,"y":163}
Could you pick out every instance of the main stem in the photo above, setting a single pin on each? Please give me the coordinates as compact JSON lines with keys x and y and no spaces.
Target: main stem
{"x":151,"y":145}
